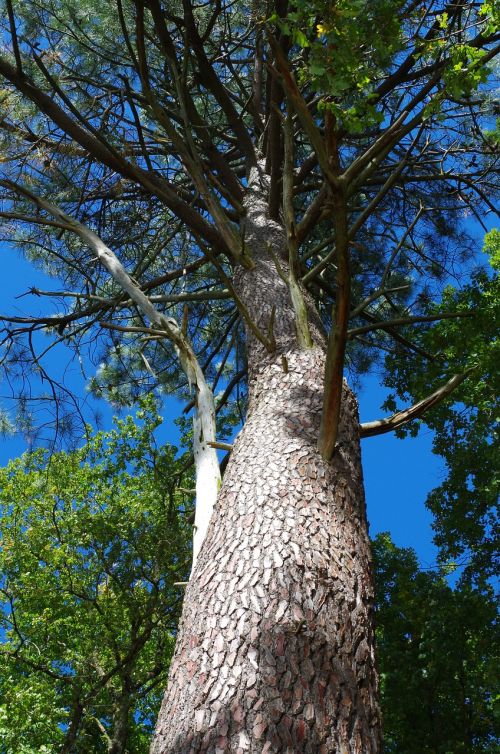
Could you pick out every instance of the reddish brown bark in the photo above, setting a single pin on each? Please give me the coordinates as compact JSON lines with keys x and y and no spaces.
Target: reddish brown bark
{"x":275,"y":647}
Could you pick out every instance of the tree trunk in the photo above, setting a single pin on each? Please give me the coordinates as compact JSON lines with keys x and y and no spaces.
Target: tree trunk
{"x":118,"y":743}
{"x":275,"y":647}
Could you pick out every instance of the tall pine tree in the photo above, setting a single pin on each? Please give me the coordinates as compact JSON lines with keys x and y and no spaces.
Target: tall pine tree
{"x":253,"y":196}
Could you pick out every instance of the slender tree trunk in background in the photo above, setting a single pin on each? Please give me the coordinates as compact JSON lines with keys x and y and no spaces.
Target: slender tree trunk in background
{"x":275,"y":647}
{"x":76,"y":713}
{"x":118,"y":743}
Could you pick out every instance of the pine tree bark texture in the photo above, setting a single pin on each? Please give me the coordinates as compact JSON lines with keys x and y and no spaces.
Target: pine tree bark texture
{"x":275,"y":650}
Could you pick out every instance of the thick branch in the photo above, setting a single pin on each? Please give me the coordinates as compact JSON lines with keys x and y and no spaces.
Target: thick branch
{"x":212,"y":81}
{"x":13,"y":35}
{"x":221,"y":446}
{"x":302,"y":110}
{"x":184,"y":147}
{"x":381,"y":426}
{"x":334,"y":369}
{"x":301,"y":320}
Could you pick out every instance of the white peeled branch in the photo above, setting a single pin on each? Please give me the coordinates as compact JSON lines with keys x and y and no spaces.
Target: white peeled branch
{"x":208,"y":476}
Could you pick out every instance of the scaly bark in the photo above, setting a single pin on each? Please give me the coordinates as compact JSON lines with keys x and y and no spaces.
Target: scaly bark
{"x":275,"y":647}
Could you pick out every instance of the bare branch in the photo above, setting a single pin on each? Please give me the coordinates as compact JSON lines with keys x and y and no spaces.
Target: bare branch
{"x":221,"y":446}
{"x":302,"y":110}
{"x":337,"y":341}
{"x":401,"y":321}
{"x":375,"y":295}
{"x":204,"y":430}
{"x":381,"y":426}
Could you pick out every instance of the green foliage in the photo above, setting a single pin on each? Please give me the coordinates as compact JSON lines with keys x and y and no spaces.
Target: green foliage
{"x":492,"y":248}
{"x":92,"y":543}
{"x":490,"y":10}
{"x":465,"y":71}
{"x":437,"y":656}
{"x":466,"y":425}
{"x":345,"y":45}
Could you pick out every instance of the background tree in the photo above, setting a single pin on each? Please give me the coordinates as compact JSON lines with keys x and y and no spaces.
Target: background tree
{"x":296,"y":175}
{"x":92,"y":543}
{"x":464,"y":505}
{"x":437,"y":645}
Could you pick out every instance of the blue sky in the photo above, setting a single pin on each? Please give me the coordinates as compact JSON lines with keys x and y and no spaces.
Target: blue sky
{"x":398,"y":473}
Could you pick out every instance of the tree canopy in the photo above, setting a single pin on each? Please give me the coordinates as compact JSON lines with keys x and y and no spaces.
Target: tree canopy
{"x":140,"y":120}
{"x":128,"y":133}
